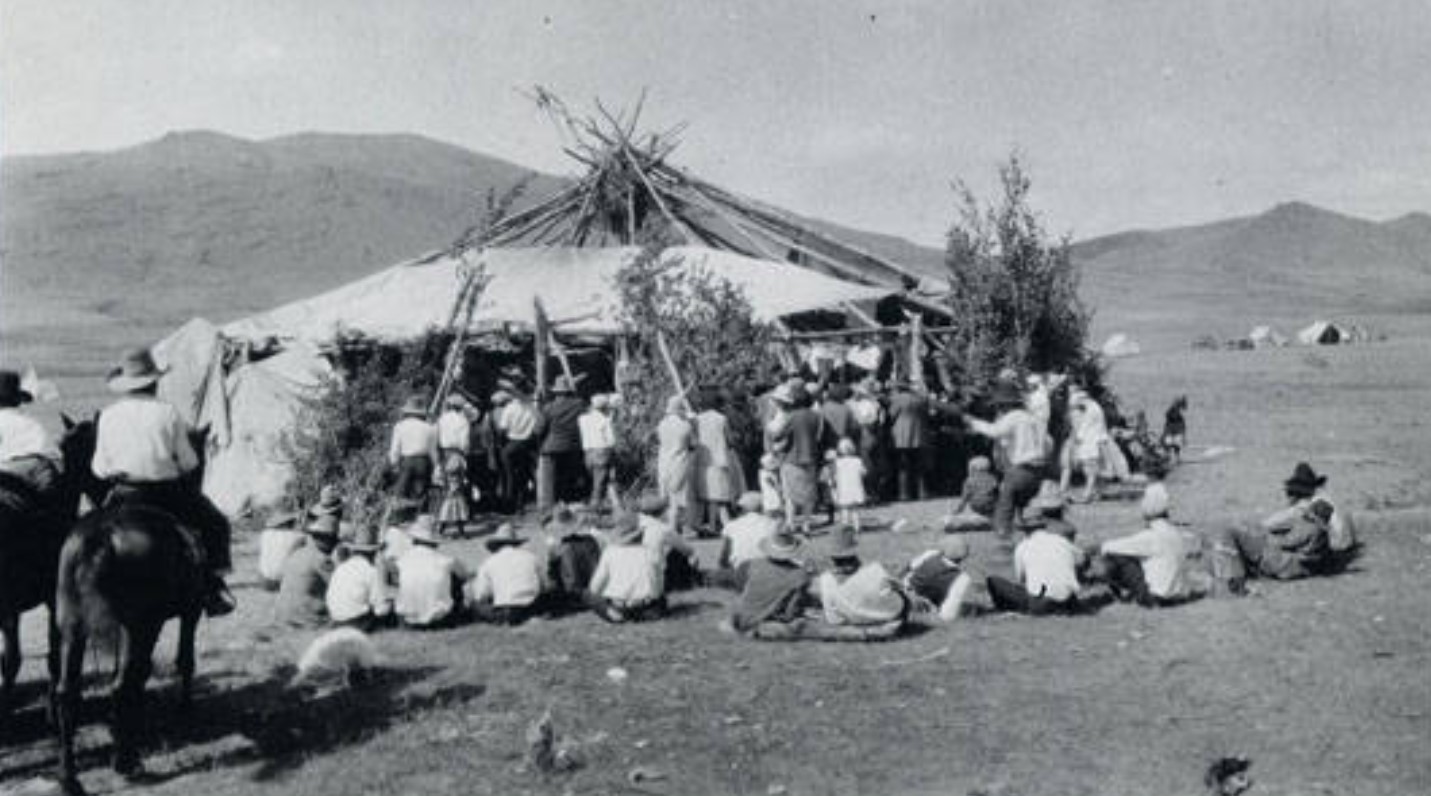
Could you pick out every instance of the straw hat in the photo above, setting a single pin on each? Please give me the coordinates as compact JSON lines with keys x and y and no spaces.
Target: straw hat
{"x":423,"y":530}
{"x":11,"y":393}
{"x":325,"y":526}
{"x":783,"y":395}
{"x":979,"y":464}
{"x":1048,"y":504}
{"x":562,"y":386}
{"x":455,"y":401}
{"x":600,"y":401}
{"x":676,"y":405}
{"x":769,"y":461}
{"x":505,"y":536}
{"x":135,"y":371}
{"x":652,"y":503}
{"x":414,"y":406}
{"x":364,"y":541}
{"x":501,"y":398}
{"x":750,"y":501}
{"x":783,"y":545}
{"x":846,"y":446}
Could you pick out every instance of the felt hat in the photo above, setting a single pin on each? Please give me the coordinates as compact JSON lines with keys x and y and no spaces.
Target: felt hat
{"x":783,"y":395}
{"x":652,"y":503}
{"x":455,"y":401}
{"x":839,"y":392}
{"x":1005,"y":394}
{"x":501,"y":398}
{"x":600,"y":401}
{"x":769,"y":461}
{"x":364,"y":541}
{"x":1156,"y":502}
{"x":325,"y":526}
{"x":423,"y":530}
{"x":135,"y":371}
{"x":843,"y":543}
{"x":750,"y":501}
{"x":781,"y":546}
{"x":979,"y":464}
{"x":562,"y":520}
{"x":414,"y":406}
{"x":676,"y":405}
{"x":505,"y":536}
{"x":330,"y":501}
{"x":11,"y":393}
{"x":846,"y":446}
{"x":1304,"y":481}
{"x":956,"y":548}
{"x":627,"y":529}
{"x":562,"y":386}
{"x":1048,"y":504}
{"x":282,"y":520}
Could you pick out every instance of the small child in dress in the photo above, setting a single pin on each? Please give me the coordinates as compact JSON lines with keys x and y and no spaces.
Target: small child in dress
{"x":975,"y":508}
{"x":770,"y":500}
{"x":849,"y":483}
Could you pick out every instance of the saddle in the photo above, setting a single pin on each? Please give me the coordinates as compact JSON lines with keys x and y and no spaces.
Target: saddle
{"x":125,"y":496}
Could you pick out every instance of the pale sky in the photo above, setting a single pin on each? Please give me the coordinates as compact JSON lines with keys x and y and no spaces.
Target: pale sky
{"x":1129,"y":114}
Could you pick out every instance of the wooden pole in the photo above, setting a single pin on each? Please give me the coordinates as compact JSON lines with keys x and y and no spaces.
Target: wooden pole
{"x":546,"y":486}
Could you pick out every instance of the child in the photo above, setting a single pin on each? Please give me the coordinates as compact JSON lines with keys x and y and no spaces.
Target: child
{"x":770,"y":499}
{"x":827,"y":486}
{"x":976,"y":500}
{"x":1175,"y":428}
{"x":849,"y":483}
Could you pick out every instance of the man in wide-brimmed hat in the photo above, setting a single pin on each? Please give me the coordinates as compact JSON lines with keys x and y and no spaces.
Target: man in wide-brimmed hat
{"x":573,"y":552}
{"x":303,"y":581}
{"x":676,"y":559}
{"x":430,"y":582}
{"x":1025,"y":445}
{"x":857,"y":593}
{"x":413,"y":451}
{"x":627,"y":585}
{"x":509,"y":584}
{"x":1311,"y":536}
{"x":142,"y":445}
{"x":27,"y":451}
{"x":1304,"y":488}
{"x":1046,"y":566}
{"x":598,"y":445}
{"x":796,"y":433}
{"x":516,"y":420}
{"x":559,"y":433}
{"x":938,"y":577}
{"x":742,"y":537}
{"x":777,"y":585}
{"x":358,"y":594}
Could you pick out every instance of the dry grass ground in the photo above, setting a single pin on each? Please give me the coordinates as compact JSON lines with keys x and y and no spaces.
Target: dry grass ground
{"x":1322,"y":683}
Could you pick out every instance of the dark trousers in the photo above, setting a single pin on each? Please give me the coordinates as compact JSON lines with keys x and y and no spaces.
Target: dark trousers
{"x":414,"y":478}
{"x":191,"y":508}
{"x":1020,"y":485}
{"x":568,"y":473}
{"x":1124,"y":575}
{"x":509,"y":615}
{"x":617,"y":613}
{"x":518,"y":461}
{"x":909,"y":472}
{"x":1010,"y":596}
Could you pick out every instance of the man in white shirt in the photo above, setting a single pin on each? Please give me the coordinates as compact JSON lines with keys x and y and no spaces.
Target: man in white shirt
{"x":358,"y":594}
{"x":413,"y":451}
{"x":598,"y":442}
{"x":741,"y":537}
{"x":676,"y":559}
{"x":1046,"y":565}
{"x":509,"y":584}
{"x":1025,"y":444}
{"x":517,"y":421}
{"x":626,"y":586}
{"x":1149,"y":567}
{"x":430,"y":582}
{"x":142,"y":446}
{"x":27,"y":451}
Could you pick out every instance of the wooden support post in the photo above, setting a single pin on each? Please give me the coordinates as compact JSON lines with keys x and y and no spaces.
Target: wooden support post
{"x":546,"y":486}
{"x":916,"y":351}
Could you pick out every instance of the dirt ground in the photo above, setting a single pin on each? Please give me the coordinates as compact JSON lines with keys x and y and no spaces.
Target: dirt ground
{"x":1322,"y":683}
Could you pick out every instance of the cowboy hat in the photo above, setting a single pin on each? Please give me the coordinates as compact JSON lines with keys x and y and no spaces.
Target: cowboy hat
{"x":676,"y":405}
{"x":455,"y":401}
{"x":1304,"y":481}
{"x":627,"y":529}
{"x":652,"y":504}
{"x":423,"y":530}
{"x":501,"y":398}
{"x":781,"y":546}
{"x":325,"y":526}
{"x":282,"y":520}
{"x":364,"y":541}
{"x":1005,"y":394}
{"x":505,"y":536}
{"x":562,"y":386}
{"x":750,"y":501}
{"x":11,"y":393}
{"x":330,"y":501}
{"x":414,"y":406}
{"x":843,"y":543}
{"x":783,"y":395}
{"x":600,"y":401}
{"x":135,"y":371}
{"x":979,"y":464}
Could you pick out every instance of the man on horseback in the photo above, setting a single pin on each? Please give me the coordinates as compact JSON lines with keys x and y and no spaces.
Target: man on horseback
{"x":27,"y":451}
{"x":142,"y":446}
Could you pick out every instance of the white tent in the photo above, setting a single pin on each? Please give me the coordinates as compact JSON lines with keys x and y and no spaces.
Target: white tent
{"x":1120,"y":345}
{"x":1322,"y":333}
{"x":575,"y":285}
{"x":1266,"y":337}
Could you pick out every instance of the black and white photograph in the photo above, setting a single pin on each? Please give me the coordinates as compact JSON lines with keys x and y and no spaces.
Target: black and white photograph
{"x":687,"y":397}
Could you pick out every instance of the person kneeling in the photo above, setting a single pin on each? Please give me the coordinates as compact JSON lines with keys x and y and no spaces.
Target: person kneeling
{"x":1149,"y":567}
{"x":430,"y":582}
{"x":627,"y":584}
{"x":1046,"y":565}
{"x":508,"y":586}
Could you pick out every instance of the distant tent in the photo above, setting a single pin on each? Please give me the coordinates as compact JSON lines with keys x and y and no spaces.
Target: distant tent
{"x":1121,"y":345}
{"x":1323,"y":333}
{"x":1266,"y":337}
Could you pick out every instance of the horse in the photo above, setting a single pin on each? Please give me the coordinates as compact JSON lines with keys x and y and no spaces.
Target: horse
{"x":30,"y":540}
{"x":124,"y":570}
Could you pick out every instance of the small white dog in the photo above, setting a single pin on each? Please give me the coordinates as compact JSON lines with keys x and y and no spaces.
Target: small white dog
{"x":339,"y":658}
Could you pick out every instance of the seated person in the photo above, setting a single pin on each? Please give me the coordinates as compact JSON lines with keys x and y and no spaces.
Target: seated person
{"x":429,"y":582}
{"x":1150,"y":566}
{"x":397,"y":539}
{"x":278,"y":539}
{"x":303,"y":583}
{"x":627,"y":586}
{"x":856,"y":593}
{"x":676,"y":558}
{"x":1046,"y":565}
{"x":1303,"y":489}
{"x":358,"y":594}
{"x":975,"y":509}
{"x":741,"y":537}
{"x":1294,"y":549}
{"x":508,"y":586}
{"x":777,"y":585}
{"x":571,"y":556}
{"x":30,"y":458}
{"x":937,"y":578}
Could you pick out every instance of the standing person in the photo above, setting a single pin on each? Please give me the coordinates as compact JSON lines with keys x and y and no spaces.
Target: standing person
{"x":869,"y":419}
{"x":430,"y":582}
{"x":142,"y":445}
{"x":1025,"y":445}
{"x":849,"y":483}
{"x":1090,"y":435}
{"x":517,"y":422}
{"x":598,"y":442}
{"x":358,"y":594}
{"x":714,"y":472}
{"x":27,"y":451}
{"x":675,"y":448}
{"x":413,"y":451}
{"x":303,"y":582}
{"x":454,"y":441}
{"x":561,"y":453}
{"x":799,"y":469}
{"x":909,"y":433}
{"x":838,"y":416}
{"x":771,"y":501}
{"x":1046,"y":565}
{"x":509,"y":584}
{"x":1175,"y":428}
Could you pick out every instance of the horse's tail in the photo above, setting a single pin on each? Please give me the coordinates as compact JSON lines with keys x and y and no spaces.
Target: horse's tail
{"x":88,"y":553}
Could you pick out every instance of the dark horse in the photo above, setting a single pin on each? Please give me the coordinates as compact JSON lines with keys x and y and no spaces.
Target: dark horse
{"x":123,"y":570}
{"x":30,"y":540}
